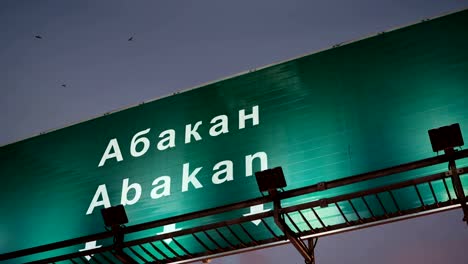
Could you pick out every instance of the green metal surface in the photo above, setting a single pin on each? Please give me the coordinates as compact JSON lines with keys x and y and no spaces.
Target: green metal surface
{"x":325,"y":116}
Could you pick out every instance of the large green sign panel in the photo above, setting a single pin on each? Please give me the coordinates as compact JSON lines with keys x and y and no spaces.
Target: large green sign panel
{"x":347,"y":110}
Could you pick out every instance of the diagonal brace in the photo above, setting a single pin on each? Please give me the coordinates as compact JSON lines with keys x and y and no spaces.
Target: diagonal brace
{"x":307,"y":251}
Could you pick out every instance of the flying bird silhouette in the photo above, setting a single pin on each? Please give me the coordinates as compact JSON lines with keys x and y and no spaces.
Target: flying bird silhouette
{"x":131,"y":38}
{"x":38,"y":36}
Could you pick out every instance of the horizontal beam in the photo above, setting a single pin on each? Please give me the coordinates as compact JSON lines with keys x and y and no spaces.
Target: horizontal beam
{"x":377,"y":220}
{"x":240,"y":205}
{"x":350,"y":196}
{"x":375,"y":174}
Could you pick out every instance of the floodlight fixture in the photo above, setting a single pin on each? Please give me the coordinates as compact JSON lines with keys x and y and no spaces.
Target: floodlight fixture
{"x":271,"y":179}
{"x":446,"y":137}
{"x":114,"y":216}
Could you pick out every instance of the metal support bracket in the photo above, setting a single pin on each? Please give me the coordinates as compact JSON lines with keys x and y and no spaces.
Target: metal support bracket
{"x":321,"y":186}
{"x":118,"y":252}
{"x":458,"y":187}
{"x":306,"y":250}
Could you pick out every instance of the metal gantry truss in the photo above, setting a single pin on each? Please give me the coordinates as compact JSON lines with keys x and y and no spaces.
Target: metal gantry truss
{"x":293,"y":223}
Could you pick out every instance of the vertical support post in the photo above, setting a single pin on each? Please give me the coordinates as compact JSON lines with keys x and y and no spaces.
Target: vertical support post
{"x":306,"y":252}
{"x":312,"y":242}
{"x":118,"y":245}
{"x":458,"y":187}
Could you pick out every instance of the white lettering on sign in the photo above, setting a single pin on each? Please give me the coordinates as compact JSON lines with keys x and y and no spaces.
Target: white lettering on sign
{"x":192,"y":177}
{"x":262,"y":156}
{"x":125,"y":188}
{"x":227,"y":172}
{"x":188,"y":177}
{"x":100,"y":192}
{"x":189,"y":132}
{"x":112,"y":146}
{"x":254,"y":116}
{"x":165,"y":186}
{"x":220,"y":127}
{"x":168,"y":139}
{"x":223,"y":171}
{"x":140,"y":142}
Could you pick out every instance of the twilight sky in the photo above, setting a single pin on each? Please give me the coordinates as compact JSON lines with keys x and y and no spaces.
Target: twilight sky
{"x":180,"y":44}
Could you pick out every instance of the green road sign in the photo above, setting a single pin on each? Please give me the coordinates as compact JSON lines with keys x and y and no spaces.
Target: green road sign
{"x":347,"y":110}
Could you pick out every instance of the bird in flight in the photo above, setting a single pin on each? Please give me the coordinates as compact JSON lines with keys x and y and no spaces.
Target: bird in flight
{"x":38,"y":36}
{"x":131,"y":38}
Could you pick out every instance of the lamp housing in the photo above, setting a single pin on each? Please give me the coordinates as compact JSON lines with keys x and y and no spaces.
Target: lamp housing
{"x":270,"y":179}
{"x":114,"y":216}
{"x":446,"y":137}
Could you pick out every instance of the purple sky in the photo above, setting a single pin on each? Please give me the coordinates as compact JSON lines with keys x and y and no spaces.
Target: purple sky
{"x":181,"y":44}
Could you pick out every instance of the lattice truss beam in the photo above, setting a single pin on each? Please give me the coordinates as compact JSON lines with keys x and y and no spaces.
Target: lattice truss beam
{"x":293,"y":216}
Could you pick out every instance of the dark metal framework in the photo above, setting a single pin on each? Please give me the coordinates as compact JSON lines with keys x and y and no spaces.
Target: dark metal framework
{"x":293,"y":223}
